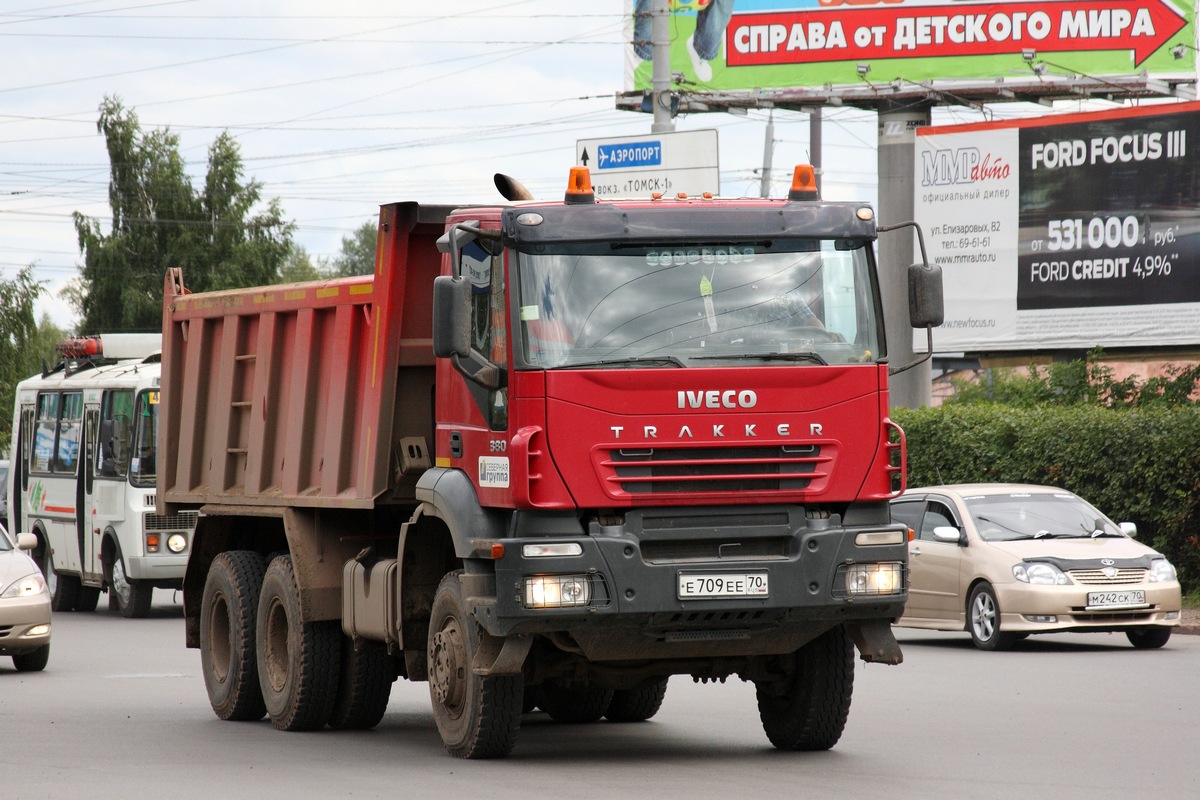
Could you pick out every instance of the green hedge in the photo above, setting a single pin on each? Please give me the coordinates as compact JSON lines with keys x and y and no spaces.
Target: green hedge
{"x":1137,"y":465}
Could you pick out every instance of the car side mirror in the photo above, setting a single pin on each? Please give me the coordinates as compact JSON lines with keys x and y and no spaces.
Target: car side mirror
{"x":26,"y":541}
{"x":947,"y":533}
{"x":1129,"y":529}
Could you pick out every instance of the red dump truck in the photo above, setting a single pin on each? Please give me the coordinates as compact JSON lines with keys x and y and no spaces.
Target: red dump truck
{"x":547,"y":456}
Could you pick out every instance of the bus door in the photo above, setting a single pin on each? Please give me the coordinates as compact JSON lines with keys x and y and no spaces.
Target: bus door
{"x":107,"y":492}
{"x":90,"y":527}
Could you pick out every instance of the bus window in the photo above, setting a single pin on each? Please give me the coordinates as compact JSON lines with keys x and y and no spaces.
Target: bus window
{"x":70,"y":428}
{"x":44,"y":437}
{"x":116,"y":410}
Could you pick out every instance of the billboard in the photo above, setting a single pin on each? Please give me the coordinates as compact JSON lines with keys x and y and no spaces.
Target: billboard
{"x":1065,"y":232}
{"x":774,"y":44}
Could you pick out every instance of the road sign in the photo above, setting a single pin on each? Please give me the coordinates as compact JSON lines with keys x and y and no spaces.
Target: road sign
{"x":638,"y":166}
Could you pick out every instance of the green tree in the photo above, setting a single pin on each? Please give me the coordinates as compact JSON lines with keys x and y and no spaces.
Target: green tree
{"x":298,"y":267}
{"x":222,"y":236}
{"x":358,"y":252}
{"x":24,"y":343}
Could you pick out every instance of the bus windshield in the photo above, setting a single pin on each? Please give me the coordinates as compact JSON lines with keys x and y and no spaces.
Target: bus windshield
{"x":757,"y":303}
{"x":142,"y":467}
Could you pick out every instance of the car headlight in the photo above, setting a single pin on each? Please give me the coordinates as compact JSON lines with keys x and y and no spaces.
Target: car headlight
{"x":27,"y":586}
{"x":1161,"y":571}
{"x":1041,"y":573}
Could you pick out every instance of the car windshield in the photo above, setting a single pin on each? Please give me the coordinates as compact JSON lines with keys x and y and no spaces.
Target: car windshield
{"x":1037,"y":516}
{"x":751,"y":303}
{"x":5,"y":542}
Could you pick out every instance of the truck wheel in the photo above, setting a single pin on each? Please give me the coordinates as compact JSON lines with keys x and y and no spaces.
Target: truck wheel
{"x":364,"y":687}
{"x":808,"y":710}
{"x":297,"y":661}
{"x":477,"y":716}
{"x":131,"y":598}
{"x":983,"y":620}
{"x":33,"y":662}
{"x":89,"y":597}
{"x":636,"y":705}
{"x":227,"y":652}
{"x":575,"y":706}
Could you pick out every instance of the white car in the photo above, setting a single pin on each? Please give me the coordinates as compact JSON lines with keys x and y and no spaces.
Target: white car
{"x":24,"y":605}
{"x":1003,"y":561}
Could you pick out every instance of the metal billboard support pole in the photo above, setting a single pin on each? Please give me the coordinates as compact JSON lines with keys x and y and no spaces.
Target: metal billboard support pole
{"x":896,"y":159}
{"x":660,"y":29}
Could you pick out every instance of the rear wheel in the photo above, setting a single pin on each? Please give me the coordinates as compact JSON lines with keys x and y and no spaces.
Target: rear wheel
{"x":1148,"y":638}
{"x":575,"y":705}
{"x":808,"y":708}
{"x":983,"y":620}
{"x":636,"y":705}
{"x":33,"y":662}
{"x":364,"y":687}
{"x":477,"y":716}
{"x":89,"y":597}
{"x":227,"y":626}
{"x":297,"y":661}
{"x":131,"y":598}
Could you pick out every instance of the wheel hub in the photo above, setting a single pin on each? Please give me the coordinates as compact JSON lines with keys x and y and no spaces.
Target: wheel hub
{"x":448,"y":665}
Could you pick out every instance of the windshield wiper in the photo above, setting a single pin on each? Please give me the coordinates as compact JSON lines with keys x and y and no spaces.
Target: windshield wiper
{"x":632,"y":361}
{"x":813,"y":357}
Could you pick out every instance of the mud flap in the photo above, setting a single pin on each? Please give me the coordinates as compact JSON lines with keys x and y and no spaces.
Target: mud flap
{"x":875,"y":642}
{"x":500,"y":655}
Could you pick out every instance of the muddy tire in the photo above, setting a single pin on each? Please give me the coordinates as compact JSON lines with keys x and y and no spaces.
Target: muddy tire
{"x":227,"y":630}
{"x":636,"y":705}
{"x":575,"y":705}
{"x":364,"y":687}
{"x":131,"y":599}
{"x":477,"y":717}
{"x":298,"y":662}
{"x":808,"y":710}
{"x":35,"y":661}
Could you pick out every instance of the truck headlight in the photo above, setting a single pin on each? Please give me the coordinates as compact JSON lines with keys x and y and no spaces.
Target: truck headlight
{"x":875,"y":579}
{"x":557,"y":591}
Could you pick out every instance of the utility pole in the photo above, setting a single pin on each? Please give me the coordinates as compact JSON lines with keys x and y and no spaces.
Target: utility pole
{"x":764,"y":186}
{"x":660,"y":30}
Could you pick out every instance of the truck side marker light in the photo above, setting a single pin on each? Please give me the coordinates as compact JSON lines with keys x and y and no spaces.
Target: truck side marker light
{"x":870,"y":538}
{"x":552,"y":550}
{"x":497,"y":550}
{"x":865,"y":214}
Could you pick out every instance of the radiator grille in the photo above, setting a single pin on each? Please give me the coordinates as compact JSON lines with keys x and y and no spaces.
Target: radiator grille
{"x":701,"y":470}
{"x":1098,"y":577}
{"x":185,"y":521}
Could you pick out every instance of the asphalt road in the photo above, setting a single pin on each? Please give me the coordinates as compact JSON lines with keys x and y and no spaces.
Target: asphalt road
{"x":121,"y":712}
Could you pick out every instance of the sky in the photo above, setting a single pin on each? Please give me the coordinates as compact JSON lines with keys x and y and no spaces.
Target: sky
{"x":340,"y":107}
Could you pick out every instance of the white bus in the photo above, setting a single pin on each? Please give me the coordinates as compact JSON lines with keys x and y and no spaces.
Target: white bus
{"x":82,"y":476}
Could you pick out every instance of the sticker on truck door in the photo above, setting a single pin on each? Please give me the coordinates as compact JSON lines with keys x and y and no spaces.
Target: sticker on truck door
{"x":493,"y":471}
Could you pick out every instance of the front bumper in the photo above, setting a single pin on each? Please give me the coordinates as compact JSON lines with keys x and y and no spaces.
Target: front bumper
{"x":165,"y":567}
{"x":18,"y":617}
{"x":1026,"y":608}
{"x":633,"y":570}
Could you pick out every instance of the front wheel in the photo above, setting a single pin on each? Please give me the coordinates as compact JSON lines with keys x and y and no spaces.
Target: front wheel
{"x":575,"y":705}
{"x":35,"y":661}
{"x":636,"y":705}
{"x":983,"y":620}
{"x":131,"y":598}
{"x":1149,"y":638}
{"x":477,"y":716}
{"x":298,"y":661}
{"x":808,"y":708}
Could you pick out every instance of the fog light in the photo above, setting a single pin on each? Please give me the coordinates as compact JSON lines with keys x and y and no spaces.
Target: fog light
{"x":177,"y":543}
{"x":151,"y":542}
{"x":557,"y":591}
{"x":875,"y":579}
{"x":38,"y":630}
{"x":1172,"y":615}
{"x":1045,"y":619}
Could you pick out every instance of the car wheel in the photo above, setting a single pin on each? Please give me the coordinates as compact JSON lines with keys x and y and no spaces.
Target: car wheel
{"x":64,"y":589}
{"x":1148,"y":638}
{"x":983,"y":620}
{"x":33,"y":662}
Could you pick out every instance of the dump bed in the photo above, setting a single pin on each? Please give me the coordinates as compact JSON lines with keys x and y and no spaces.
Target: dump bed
{"x":301,"y":394}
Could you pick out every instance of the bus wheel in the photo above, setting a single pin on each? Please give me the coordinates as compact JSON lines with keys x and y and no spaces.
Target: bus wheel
{"x":227,"y":652}
{"x":298,"y":661}
{"x":477,"y":716}
{"x":131,"y":598}
{"x":89,"y":597}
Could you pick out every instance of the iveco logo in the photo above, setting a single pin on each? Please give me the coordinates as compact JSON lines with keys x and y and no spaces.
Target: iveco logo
{"x":717,"y":398}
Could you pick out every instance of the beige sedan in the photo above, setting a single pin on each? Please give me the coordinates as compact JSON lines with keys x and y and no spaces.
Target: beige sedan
{"x":24,"y":605}
{"x":1003,"y":561}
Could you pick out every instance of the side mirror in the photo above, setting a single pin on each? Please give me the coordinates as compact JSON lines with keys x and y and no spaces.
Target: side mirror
{"x":925,"y":303}
{"x":26,"y":541}
{"x":947,"y":533}
{"x":451,"y":316}
{"x":1129,"y":529}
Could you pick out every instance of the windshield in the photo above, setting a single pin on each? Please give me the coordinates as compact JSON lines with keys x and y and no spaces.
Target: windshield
{"x":1001,"y":518}
{"x":805,"y":301}
{"x":145,"y":437}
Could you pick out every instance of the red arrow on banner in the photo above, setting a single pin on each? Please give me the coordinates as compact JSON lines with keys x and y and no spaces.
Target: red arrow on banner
{"x":847,"y":34}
